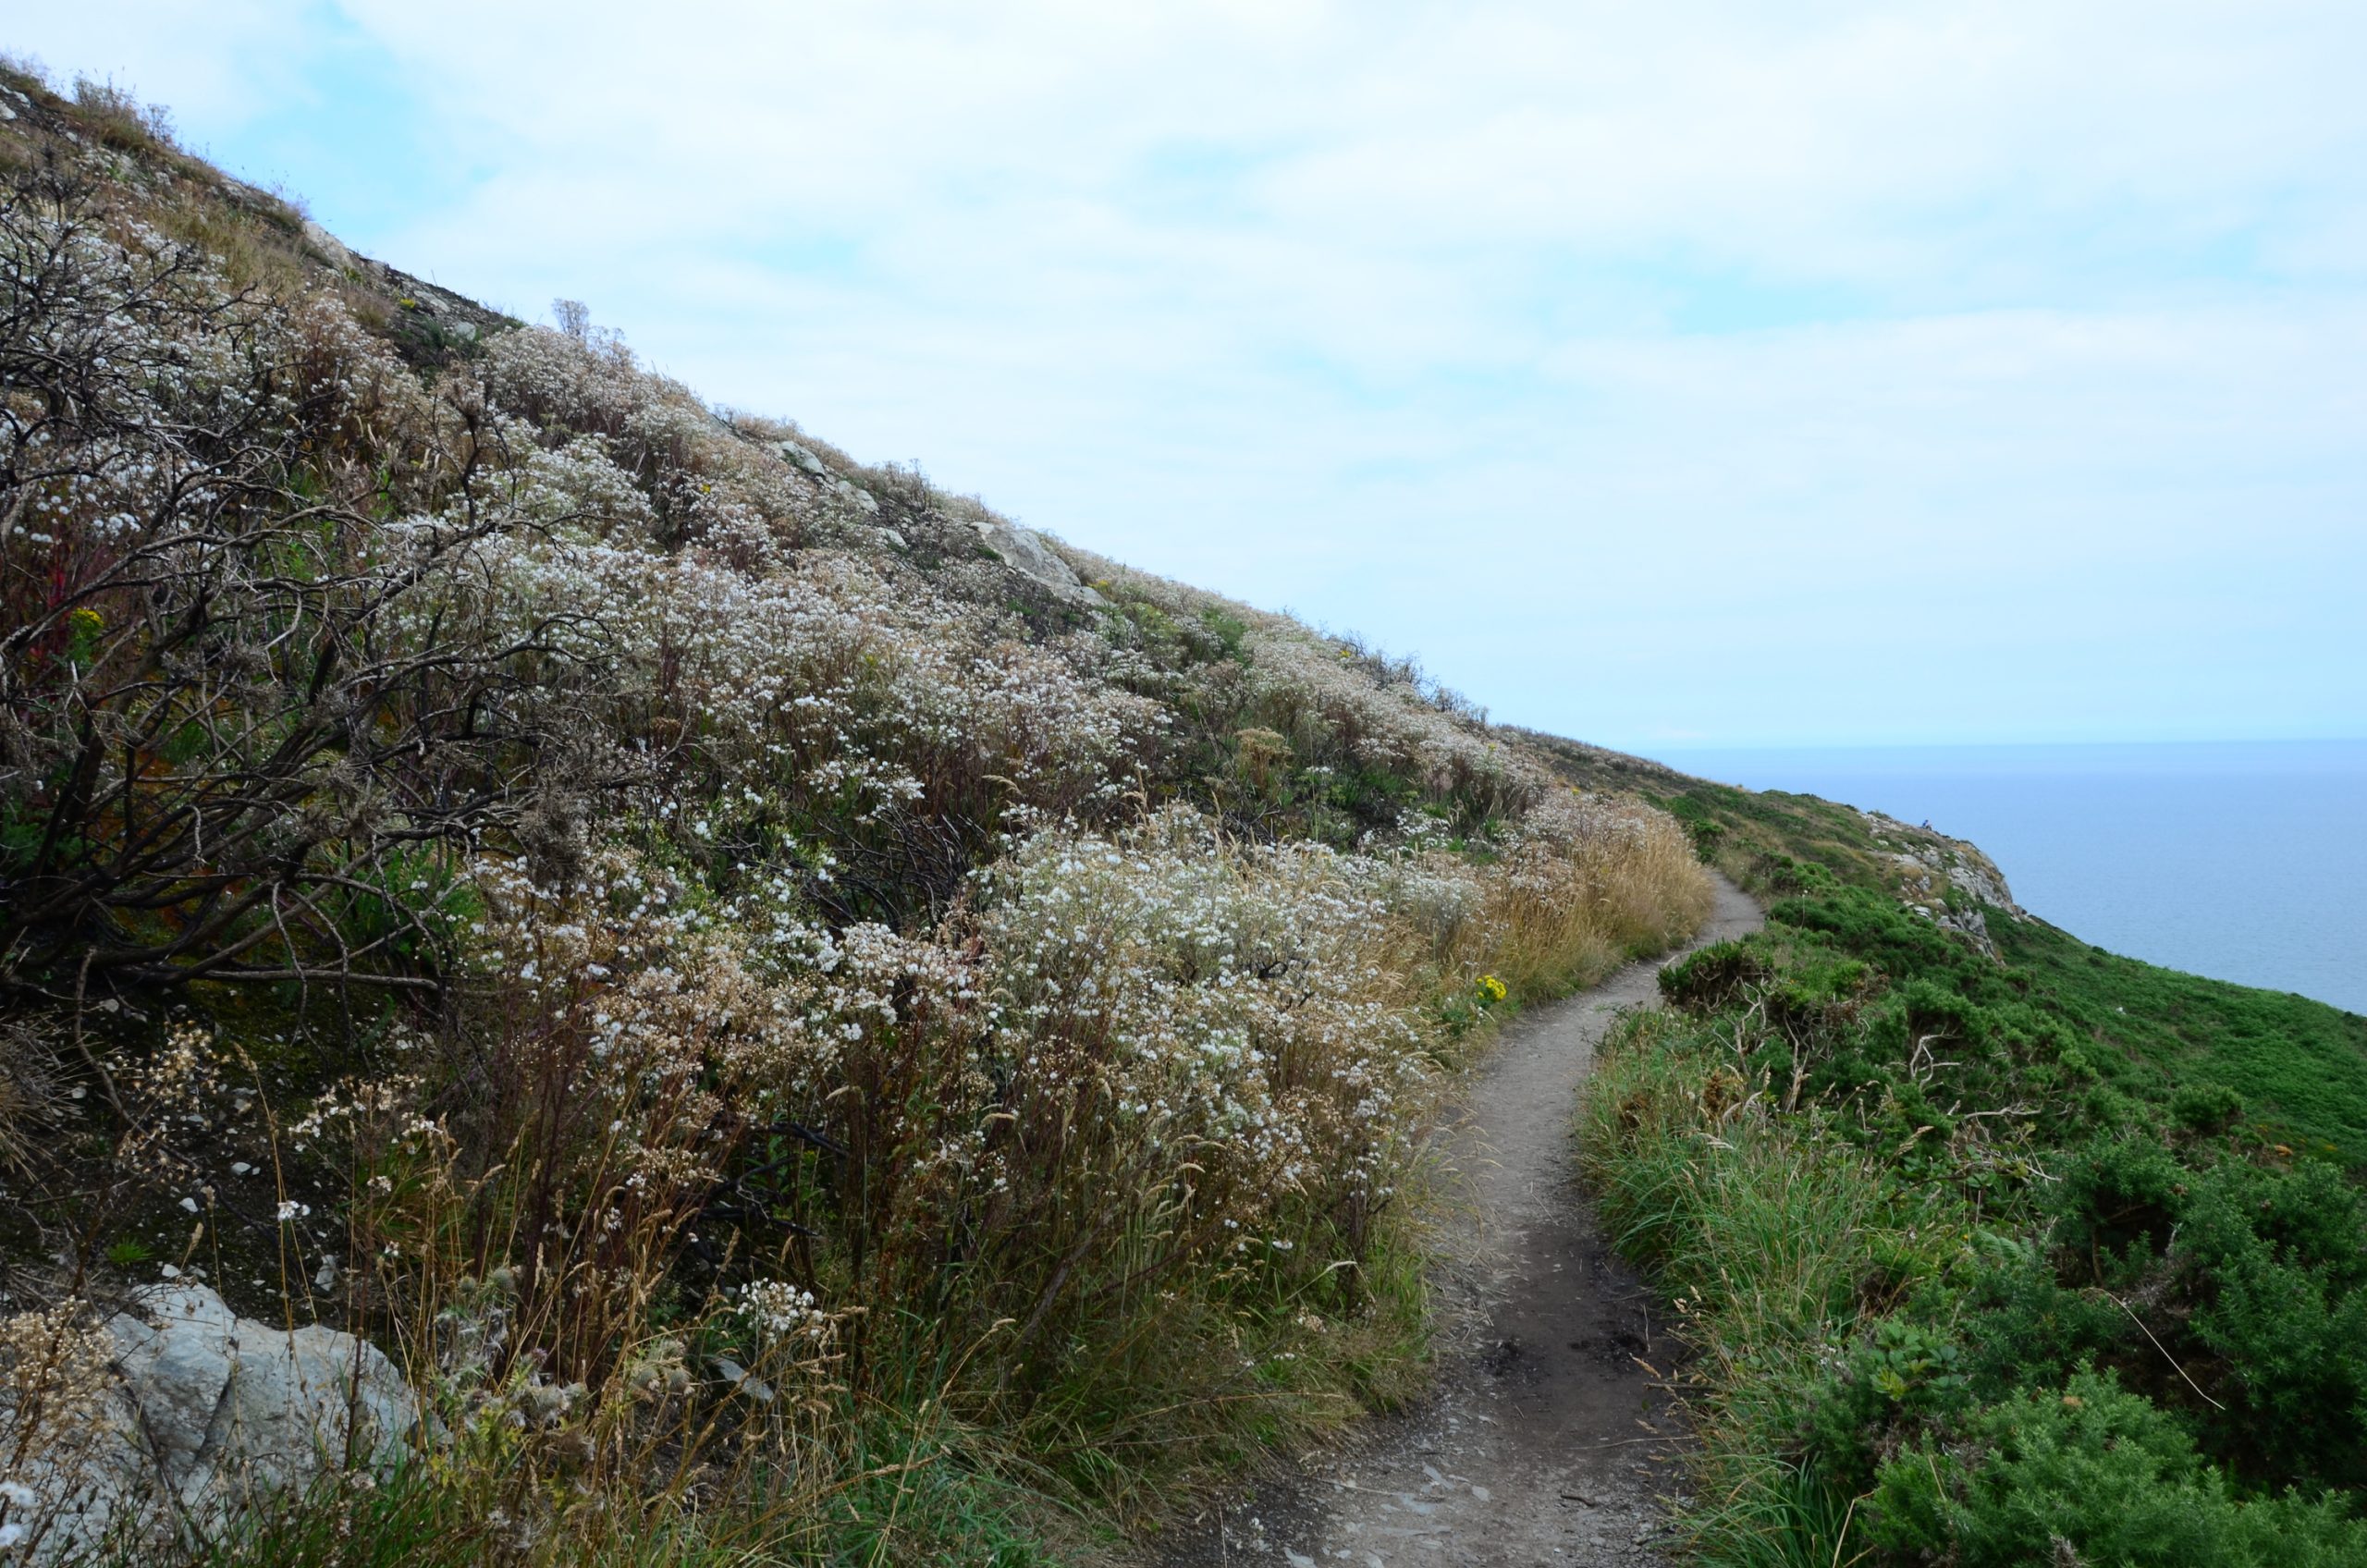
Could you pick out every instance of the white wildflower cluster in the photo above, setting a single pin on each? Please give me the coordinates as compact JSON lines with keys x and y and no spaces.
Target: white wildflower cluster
{"x":1443,"y":898}
{"x":1307,"y":683}
{"x":706,"y":485}
{"x":652,"y":1016}
{"x":1332,"y":702}
{"x":824,"y":683}
{"x":178,"y":1098}
{"x":1224,"y":1026}
{"x":1226,"y":1009}
{"x":167,"y":356}
{"x":50,"y":1360}
{"x":1574,"y":877}
{"x":776,"y":1309}
{"x":384,"y":1102}
{"x":144,"y":319}
{"x":1596,"y":858}
{"x":577,"y":488}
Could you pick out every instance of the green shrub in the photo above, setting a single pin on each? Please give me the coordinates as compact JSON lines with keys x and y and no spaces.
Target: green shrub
{"x":2059,"y":1305}
{"x":2092,"y":1472}
{"x":2206,"y":1107}
{"x":1901,"y":1382}
{"x":2274,"y":1263}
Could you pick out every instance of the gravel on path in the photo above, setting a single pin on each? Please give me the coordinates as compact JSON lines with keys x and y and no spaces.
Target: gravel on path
{"x":1548,"y":1436}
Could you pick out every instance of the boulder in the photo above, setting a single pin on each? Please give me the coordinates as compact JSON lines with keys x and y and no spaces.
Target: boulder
{"x":1027,"y":553}
{"x":204,"y":1409}
{"x":330,"y":249}
{"x":844,"y":489}
{"x":804,"y":459}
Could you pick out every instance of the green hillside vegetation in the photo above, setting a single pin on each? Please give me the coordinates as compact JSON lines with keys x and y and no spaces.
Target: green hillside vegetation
{"x":1994,"y":1248}
{"x":815,"y":1024}
{"x":2299,"y":1066}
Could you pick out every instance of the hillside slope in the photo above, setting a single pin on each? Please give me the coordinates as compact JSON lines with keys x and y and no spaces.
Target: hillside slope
{"x":1995,"y":1248}
{"x":805,"y":1019}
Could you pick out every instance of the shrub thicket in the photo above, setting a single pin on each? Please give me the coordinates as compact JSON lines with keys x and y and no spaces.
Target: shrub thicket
{"x":1982,"y":1268}
{"x":798,"y":1035}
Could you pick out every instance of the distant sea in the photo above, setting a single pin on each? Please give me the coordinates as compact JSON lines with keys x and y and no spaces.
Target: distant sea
{"x":2241,"y":860}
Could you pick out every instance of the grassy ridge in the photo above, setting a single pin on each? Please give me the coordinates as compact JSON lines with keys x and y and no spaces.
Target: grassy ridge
{"x":1996,"y":1248}
{"x":2300,"y":1065}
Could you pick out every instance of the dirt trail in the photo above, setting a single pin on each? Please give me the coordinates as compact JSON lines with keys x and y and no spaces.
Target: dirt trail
{"x":1545,"y":1440}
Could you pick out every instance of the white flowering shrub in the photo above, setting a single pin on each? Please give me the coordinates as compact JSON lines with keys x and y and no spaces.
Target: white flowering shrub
{"x":1143,"y":1057}
{"x":1234,"y":1009}
{"x":215,"y":742}
{"x":1303,"y":735}
{"x":820,"y":711}
{"x":670,"y":930}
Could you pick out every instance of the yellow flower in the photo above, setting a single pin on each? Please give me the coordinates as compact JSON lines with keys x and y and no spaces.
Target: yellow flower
{"x":1491,"y":989}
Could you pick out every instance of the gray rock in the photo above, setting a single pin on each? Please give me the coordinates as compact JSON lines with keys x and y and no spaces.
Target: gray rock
{"x":804,"y":460}
{"x":329,"y":248}
{"x":1029,"y":554}
{"x":205,"y":1410}
{"x":739,"y":1378}
{"x":1966,"y":870}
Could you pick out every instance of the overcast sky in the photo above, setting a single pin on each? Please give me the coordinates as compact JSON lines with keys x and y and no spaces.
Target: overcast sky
{"x":1673,"y":374}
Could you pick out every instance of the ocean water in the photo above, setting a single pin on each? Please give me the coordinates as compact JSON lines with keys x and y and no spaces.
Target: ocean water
{"x":2243,"y":861}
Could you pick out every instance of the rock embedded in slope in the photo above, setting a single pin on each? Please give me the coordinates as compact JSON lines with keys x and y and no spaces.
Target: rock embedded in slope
{"x":844,"y":489}
{"x":332,"y":250}
{"x":1027,"y":553}
{"x":802,"y":458}
{"x":203,"y":1411}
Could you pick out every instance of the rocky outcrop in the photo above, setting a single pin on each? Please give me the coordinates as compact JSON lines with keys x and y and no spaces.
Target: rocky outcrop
{"x":1947,"y":881}
{"x":1029,"y":554}
{"x":801,"y":459}
{"x":832,"y":486}
{"x":202,"y":1410}
{"x":1024,"y":550}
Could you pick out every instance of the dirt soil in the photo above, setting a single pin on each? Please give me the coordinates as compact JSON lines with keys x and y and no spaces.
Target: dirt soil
{"x":1549,"y":1438}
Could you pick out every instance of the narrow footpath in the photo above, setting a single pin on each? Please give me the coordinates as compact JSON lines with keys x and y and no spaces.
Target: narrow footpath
{"x":1548,"y":1439}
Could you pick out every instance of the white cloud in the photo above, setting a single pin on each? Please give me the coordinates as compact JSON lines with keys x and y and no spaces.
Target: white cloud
{"x":1644,"y":365}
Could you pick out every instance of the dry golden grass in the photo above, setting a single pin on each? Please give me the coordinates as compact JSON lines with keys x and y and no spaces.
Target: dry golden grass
{"x":1569,"y":917}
